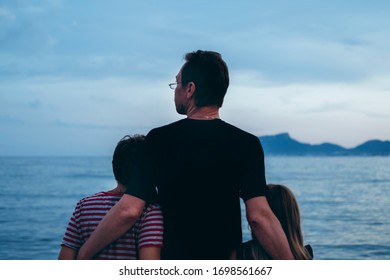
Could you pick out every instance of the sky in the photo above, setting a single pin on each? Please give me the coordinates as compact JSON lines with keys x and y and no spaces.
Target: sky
{"x":76,"y":76}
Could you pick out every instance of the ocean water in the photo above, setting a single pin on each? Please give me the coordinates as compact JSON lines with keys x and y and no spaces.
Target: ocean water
{"x":344,"y":202}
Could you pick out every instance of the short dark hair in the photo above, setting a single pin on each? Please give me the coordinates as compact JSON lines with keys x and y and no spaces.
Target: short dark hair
{"x":125,"y":157}
{"x":209,"y":73}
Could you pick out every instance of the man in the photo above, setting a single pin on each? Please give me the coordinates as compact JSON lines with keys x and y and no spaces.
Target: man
{"x":200,"y":166}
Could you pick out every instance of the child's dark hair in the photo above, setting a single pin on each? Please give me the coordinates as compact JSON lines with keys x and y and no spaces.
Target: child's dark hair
{"x":125,"y":157}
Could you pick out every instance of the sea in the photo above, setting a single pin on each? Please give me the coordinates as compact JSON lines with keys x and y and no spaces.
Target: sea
{"x":344,"y":202}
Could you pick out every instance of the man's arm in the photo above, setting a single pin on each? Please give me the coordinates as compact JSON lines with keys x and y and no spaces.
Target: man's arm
{"x":267,"y":228}
{"x":67,"y":253}
{"x":115,"y":223}
{"x":149,"y":253}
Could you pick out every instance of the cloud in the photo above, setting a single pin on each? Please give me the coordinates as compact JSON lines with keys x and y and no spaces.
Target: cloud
{"x":8,"y":120}
{"x":86,"y":69}
{"x":6,"y":16}
{"x":100,"y":102}
{"x":284,"y":46}
{"x":81,"y":125}
{"x":346,"y":113}
{"x":48,"y":115}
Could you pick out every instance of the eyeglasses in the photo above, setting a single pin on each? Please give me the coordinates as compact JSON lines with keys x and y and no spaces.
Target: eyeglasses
{"x":173,"y":85}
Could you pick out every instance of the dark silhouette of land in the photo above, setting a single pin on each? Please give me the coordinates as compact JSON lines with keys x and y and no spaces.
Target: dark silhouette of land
{"x":283,"y":145}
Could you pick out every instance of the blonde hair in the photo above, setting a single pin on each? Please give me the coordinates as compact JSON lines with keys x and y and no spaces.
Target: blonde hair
{"x":285,"y":207}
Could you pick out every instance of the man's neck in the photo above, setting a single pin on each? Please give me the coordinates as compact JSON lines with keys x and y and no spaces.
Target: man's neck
{"x":204,"y":113}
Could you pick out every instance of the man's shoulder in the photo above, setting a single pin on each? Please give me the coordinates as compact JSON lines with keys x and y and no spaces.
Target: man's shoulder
{"x":219,"y":126}
{"x":241,"y":133}
{"x":167,"y":127}
{"x":238,"y":130}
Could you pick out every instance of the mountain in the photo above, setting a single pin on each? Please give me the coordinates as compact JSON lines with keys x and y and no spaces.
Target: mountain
{"x":372,"y":147}
{"x":283,"y":144}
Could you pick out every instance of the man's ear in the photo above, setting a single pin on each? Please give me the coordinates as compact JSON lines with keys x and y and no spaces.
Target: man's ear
{"x":190,"y":89}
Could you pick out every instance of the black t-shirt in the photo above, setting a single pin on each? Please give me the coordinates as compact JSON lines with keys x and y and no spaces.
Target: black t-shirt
{"x":200,"y":170}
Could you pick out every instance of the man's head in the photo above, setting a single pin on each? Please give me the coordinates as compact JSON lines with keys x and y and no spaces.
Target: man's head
{"x":208,"y":74}
{"x":125,"y":156}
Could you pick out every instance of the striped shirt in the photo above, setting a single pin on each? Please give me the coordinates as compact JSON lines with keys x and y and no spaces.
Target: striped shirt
{"x":147,"y":230}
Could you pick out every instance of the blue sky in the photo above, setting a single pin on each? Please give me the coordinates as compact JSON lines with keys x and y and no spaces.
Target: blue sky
{"x":75,"y":76}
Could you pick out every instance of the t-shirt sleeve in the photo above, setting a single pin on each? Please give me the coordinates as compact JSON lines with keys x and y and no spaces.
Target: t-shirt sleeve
{"x":72,"y":237}
{"x":253,"y":180}
{"x":151,"y":227}
{"x":142,"y":183}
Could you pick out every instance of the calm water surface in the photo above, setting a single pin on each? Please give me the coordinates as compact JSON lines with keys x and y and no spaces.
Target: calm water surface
{"x":344,"y":202}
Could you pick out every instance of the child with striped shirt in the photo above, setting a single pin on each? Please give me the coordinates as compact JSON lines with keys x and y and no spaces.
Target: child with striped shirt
{"x":142,"y":241}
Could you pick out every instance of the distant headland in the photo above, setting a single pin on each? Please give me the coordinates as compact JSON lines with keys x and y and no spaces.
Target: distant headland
{"x":283,"y":145}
